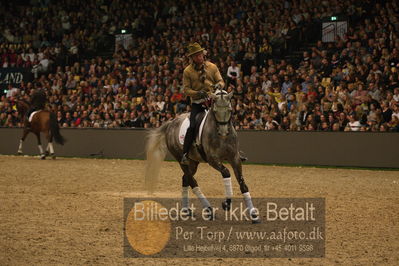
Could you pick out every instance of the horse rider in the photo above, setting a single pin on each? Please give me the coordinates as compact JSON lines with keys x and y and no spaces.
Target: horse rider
{"x":200,"y":78}
{"x":38,"y":102}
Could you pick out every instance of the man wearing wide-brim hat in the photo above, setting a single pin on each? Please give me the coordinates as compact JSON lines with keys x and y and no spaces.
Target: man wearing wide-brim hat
{"x":200,"y":78}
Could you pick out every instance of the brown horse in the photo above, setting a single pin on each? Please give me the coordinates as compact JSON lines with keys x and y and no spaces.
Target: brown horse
{"x":42,"y":121}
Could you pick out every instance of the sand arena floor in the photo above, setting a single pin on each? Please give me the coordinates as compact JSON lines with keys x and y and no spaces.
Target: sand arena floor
{"x":69,"y":210}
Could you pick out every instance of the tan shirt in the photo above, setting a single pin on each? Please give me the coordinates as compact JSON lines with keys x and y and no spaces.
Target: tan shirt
{"x":192,"y":83}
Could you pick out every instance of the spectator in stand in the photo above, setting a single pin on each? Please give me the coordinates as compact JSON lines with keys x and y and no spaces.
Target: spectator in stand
{"x":356,"y":75}
{"x":353,"y":124}
{"x":233,"y":74}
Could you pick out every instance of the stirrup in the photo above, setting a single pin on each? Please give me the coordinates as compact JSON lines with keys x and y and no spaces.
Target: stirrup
{"x":243,"y":158}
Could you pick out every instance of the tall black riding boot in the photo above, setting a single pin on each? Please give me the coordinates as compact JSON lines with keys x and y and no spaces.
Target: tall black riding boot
{"x":188,"y":141}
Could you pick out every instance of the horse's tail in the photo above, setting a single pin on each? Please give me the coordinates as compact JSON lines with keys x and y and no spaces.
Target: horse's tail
{"x":156,"y":150}
{"x":55,"y":130}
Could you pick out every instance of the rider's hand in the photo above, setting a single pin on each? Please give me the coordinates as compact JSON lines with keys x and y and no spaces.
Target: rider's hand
{"x":202,"y":94}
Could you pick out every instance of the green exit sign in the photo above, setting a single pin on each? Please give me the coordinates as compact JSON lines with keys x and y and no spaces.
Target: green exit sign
{"x":333,"y":18}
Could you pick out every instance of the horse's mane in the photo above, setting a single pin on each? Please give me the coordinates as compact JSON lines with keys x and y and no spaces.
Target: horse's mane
{"x":24,"y":101}
{"x":22,"y":106}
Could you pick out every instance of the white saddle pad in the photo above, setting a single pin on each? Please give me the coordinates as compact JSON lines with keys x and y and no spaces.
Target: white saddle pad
{"x":184,"y":126}
{"x":32,"y":114}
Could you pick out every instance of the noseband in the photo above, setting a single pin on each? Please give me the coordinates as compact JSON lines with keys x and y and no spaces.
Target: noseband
{"x":222,"y":123}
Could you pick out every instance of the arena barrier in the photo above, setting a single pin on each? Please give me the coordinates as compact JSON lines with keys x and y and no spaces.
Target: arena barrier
{"x":357,"y":149}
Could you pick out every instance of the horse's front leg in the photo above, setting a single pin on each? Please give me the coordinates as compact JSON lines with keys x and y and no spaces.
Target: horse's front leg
{"x":228,"y":189}
{"x":237,"y":167}
{"x":39,"y":144}
{"x":21,"y":141}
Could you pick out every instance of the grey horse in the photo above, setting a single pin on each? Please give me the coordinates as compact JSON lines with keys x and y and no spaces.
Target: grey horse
{"x":219,"y":143}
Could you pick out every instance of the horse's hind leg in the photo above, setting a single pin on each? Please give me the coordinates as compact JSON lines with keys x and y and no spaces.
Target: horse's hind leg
{"x":237,"y":167}
{"x":21,"y":141}
{"x":50,"y":147}
{"x":39,"y":144}
{"x":47,"y":151}
{"x":189,"y":180}
{"x":228,"y":189}
{"x":186,"y":181}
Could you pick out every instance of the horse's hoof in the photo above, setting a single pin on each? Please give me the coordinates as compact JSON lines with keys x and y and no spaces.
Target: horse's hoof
{"x":53,"y":156}
{"x":19,"y":153}
{"x":255,"y":219}
{"x":43,"y":157}
{"x":226,"y":205}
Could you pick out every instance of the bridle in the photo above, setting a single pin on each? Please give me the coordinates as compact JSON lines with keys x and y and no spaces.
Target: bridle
{"x":215,"y":108}
{"x":221,"y":122}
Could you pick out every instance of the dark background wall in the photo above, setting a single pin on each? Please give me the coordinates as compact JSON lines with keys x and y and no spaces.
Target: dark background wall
{"x":362,"y":149}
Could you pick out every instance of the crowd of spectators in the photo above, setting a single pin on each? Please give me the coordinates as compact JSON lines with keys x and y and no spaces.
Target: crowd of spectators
{"x":348,"y":85}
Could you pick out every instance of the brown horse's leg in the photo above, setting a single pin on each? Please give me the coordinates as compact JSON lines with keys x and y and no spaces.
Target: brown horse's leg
{"x":21,"y":141}
{"x":47,"y":136}
{"x":39,"y":144}
{"x":50,"y":147}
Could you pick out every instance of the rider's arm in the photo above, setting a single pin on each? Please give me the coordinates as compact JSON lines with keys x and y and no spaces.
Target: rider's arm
{"x":218,"y":78}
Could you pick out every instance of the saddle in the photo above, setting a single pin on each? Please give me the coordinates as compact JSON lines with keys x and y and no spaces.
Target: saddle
{"x":200,"y":120}
{"x":31,"y":115}
{"x":199,"y":126}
